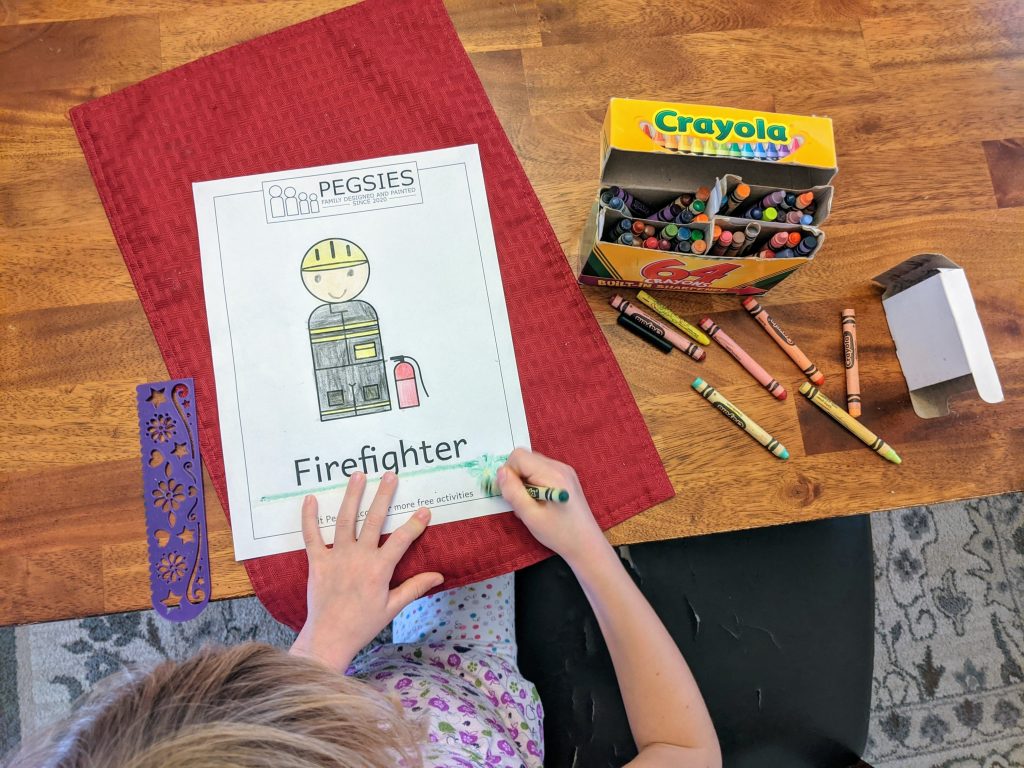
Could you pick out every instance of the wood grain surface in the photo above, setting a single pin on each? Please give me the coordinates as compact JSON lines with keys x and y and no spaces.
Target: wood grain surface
{"x":927,"y":102}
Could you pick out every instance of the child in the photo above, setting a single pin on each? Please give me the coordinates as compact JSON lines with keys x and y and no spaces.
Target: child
{"x":446,"y":693}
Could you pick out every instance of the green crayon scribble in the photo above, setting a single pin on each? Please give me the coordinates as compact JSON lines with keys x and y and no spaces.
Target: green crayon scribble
{"x":476,"y":467}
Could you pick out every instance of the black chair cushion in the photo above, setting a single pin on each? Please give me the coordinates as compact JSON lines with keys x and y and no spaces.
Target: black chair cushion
{"x":776,"y":624}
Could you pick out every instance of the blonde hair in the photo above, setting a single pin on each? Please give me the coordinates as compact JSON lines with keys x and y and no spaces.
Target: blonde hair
{"x":250,"y":705}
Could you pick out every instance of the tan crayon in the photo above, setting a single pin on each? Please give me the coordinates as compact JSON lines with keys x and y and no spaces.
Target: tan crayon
{"x":671,"y":335}
{"x":851,"y":361}
{"x":810,"y":370}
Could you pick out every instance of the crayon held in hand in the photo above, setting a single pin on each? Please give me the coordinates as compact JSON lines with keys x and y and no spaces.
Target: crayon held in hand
{"x":780,"y":337}
{"x":660,"y":330}
{"x":546,"y":493}
{"x":690,"y":330}
{"x":743,"y":358}
{"x":739,"y":418}
{"x":862,"y":433}
{"x":851,"y":361}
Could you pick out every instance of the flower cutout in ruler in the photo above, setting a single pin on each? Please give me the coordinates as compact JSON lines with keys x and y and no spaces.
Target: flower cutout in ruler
{"x":179,"y":563}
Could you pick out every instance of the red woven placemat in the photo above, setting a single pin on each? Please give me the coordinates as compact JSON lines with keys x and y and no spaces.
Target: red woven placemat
{"x":380,"y":78}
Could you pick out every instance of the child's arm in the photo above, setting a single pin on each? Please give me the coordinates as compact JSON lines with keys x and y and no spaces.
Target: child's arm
{"x":667,"y":716}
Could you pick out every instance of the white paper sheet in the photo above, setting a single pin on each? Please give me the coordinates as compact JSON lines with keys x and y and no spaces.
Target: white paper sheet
{"x":315,"y":280}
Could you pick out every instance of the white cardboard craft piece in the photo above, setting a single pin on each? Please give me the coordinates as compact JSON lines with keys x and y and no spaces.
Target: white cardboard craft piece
{"x":336,"y":296}
{"x":939,"y":340}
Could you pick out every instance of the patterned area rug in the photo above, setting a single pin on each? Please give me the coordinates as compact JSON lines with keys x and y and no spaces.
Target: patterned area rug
{"x":949,"y":644}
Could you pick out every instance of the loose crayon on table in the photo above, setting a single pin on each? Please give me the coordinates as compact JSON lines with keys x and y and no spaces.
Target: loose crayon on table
{"x":737,"y":195}
{"x":738,"y":239}
{"x":669,"y":334}
{"x":779,"y":240}
{"x":723,"y":242}
{"x":780,"y":337}
{"x":700,"y":247}
{"x":793,"y":240}
{"x":636,"y":206}
{"x":739,"y":418}
{"x":634,"y":327}
{"x":651,"y":242}
{"x":803,"y":200}
{"x":664,"y":245}
{"x":684,"y":246}
{"x":690,"y":330}
{"x":806,"y":246}
{"x":770,"y":214}
{"x":862,"y":433}
{"x":851,"y":362}
{"x":626,"y":238}
{"x":743,"y":358}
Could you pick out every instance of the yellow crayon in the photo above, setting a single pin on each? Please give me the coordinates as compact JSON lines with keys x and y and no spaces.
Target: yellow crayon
{"x":739,"y":418}
{"x":690,"y":330}
{"x":862,"y":433}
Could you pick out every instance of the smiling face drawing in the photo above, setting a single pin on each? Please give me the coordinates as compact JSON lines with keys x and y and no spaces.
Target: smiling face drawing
{"x":335,"y":270}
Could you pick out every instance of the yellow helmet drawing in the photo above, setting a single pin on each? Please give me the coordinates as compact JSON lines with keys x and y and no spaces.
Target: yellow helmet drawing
{"x":333,"y":253}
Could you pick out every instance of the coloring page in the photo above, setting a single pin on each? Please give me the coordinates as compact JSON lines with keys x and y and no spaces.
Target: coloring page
{"x":358,"y":323}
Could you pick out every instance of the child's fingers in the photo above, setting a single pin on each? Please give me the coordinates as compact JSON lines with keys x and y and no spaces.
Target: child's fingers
{"x":514,"y":492}
{"x":398,"y":543}
{"x":311,"y":535}
{"x":411,"y":589}
{"x":345,"y":528}
{"x":378,"y":512}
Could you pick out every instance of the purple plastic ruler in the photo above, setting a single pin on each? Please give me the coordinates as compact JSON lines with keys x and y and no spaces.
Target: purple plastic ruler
{"x":172,"y":475}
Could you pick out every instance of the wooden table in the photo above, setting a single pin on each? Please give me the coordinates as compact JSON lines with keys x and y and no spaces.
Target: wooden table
{"x":929,"y":115}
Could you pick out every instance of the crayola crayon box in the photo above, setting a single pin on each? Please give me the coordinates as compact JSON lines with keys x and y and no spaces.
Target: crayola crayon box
{"x":764,"y":178}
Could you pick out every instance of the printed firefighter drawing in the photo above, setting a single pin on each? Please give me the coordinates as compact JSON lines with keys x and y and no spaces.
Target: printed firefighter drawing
{"x":345,"y":339}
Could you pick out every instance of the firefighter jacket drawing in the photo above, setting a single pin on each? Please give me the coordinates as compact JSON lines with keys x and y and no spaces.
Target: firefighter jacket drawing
{"x":348,"y":360}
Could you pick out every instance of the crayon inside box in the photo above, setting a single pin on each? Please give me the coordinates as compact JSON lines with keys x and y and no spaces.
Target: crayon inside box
{"x":658,"y":150}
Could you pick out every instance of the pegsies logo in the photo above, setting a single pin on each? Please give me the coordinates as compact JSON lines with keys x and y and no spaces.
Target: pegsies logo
{"x":670,"y":121}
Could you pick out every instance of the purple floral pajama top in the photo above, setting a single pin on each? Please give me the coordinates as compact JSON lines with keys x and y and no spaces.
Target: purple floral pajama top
{"x":481,"y":710}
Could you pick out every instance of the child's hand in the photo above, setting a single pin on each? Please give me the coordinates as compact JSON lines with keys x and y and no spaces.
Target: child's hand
{"x":569,"y":529}
{"x":348,"y":595}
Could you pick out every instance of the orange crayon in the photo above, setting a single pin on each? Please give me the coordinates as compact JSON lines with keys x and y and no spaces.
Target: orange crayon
{"x":743,"y":358}
{"x":851,"y":361}
{"x":809,"y":369}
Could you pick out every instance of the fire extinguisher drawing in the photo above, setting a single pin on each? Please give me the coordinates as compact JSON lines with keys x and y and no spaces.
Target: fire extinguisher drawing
{"x":406,"y":381}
